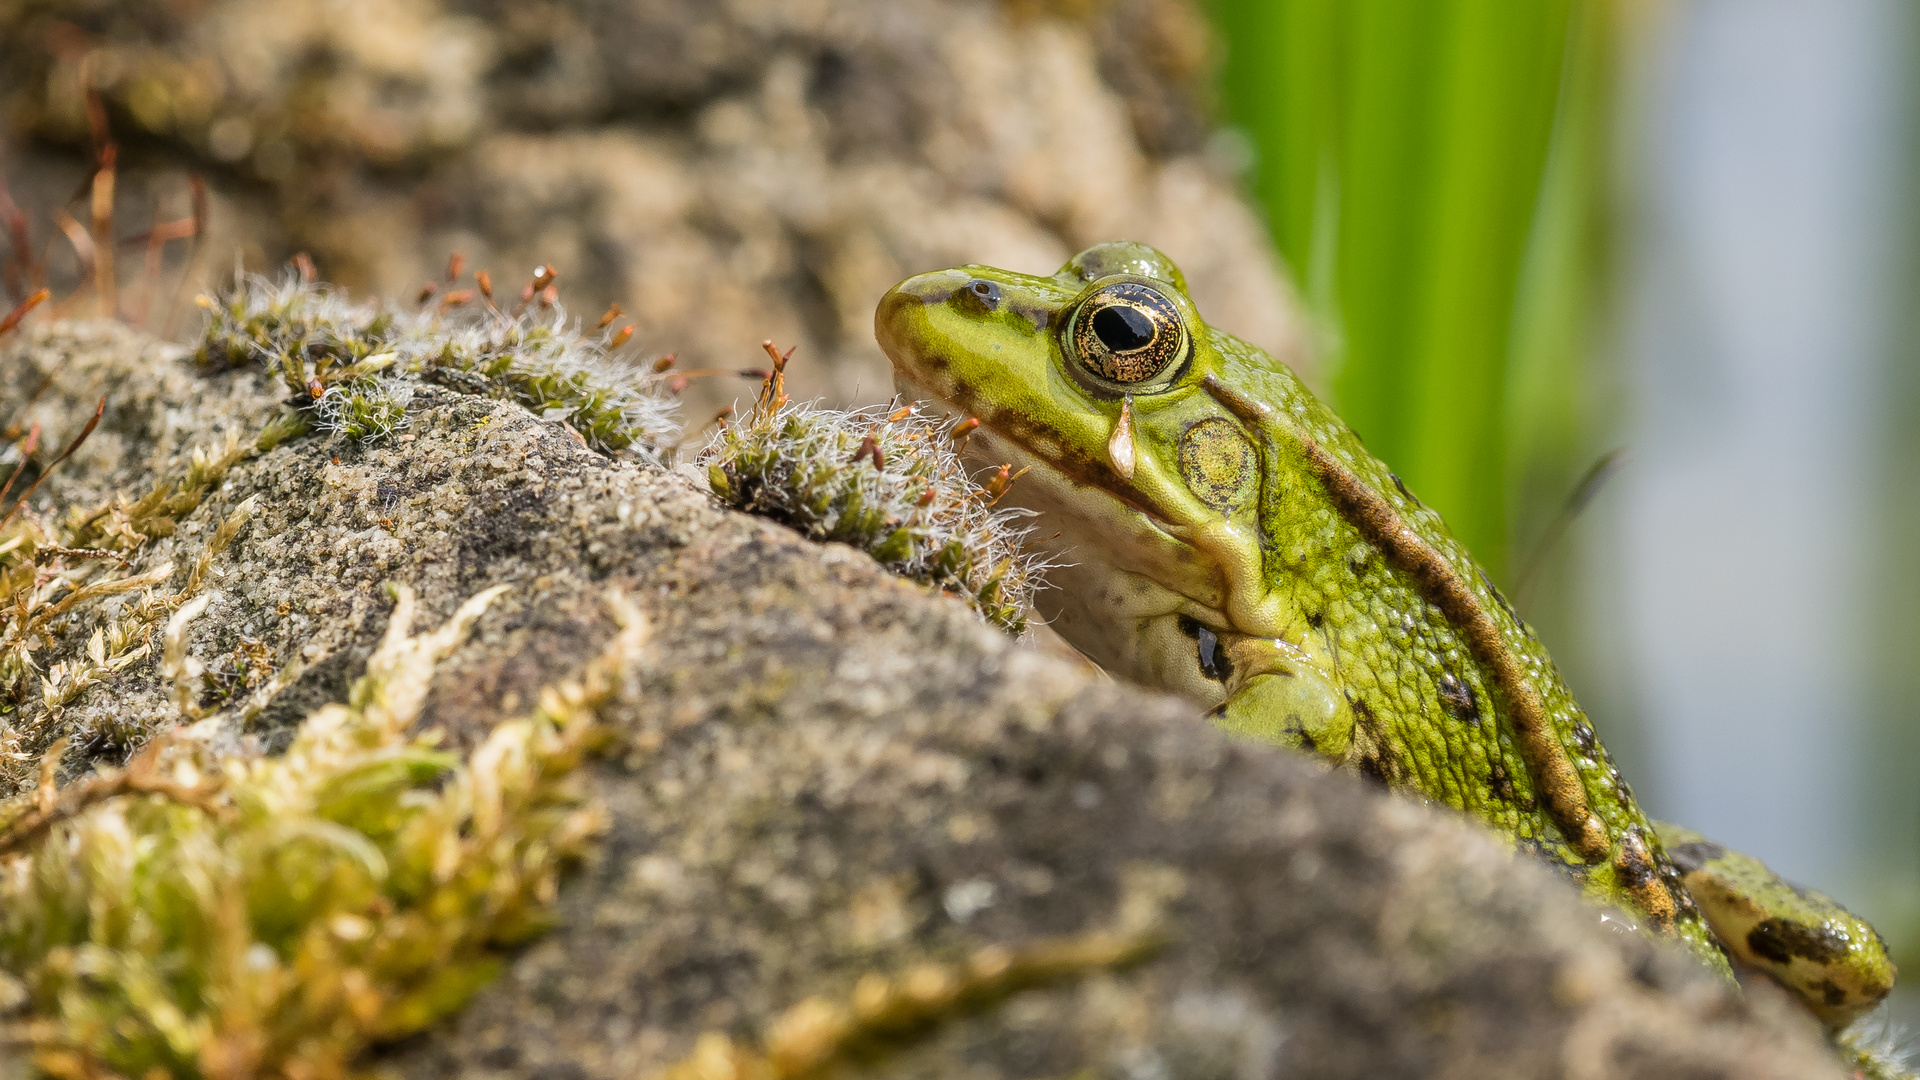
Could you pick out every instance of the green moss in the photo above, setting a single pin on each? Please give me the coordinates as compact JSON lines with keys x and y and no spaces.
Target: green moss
{"x":887,"y":481}
{"x":365,"y":409}
{"x":202,"y":914}
{"x":353,"y":363}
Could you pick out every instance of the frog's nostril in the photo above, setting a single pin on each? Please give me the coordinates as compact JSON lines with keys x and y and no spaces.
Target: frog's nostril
{"x":984,"y":294}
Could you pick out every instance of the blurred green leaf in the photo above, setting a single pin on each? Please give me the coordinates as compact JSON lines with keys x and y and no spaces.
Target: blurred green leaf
{"x":1402,"y":153}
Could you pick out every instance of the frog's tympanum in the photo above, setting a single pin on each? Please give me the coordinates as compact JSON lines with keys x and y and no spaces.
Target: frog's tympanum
{"x":1224,"y":536}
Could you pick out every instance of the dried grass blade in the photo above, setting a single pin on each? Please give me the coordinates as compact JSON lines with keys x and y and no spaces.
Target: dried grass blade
{"x":92,"y":423}
{"x":21,"y":309}
{"x":197,"y":190}
{"x":27,"y":448}
{"x":102,"y":206}
{"x":20,"y":269}
{"x":76,"y":235}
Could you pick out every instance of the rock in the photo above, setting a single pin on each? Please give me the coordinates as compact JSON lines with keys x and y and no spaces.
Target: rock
{"x":824,"y":773}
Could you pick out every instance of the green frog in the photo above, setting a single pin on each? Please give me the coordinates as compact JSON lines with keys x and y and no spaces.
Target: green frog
{"x":1224,"y":536}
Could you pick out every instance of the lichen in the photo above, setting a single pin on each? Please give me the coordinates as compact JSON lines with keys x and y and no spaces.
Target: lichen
{"x":205,"y":913}
{"x":886,"y":480}
{"x":353,"y":363}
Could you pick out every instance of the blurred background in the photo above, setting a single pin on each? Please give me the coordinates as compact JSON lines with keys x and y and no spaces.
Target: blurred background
{"x":1621,"y":286}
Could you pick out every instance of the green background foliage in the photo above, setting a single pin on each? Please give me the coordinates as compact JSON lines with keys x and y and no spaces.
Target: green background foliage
{"x":1428,"y":170}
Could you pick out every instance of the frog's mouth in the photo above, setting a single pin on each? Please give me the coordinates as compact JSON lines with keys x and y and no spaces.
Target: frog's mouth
{"x":1083,"y":505}
{"x":1003,"y":435}
{"x":924,"y":372}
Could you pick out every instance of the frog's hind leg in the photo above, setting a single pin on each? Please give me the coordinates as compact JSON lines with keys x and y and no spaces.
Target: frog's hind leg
{"x":1830,"y":958}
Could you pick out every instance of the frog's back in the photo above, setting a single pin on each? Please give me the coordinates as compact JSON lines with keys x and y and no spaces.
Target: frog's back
{"x":1452,"y":694}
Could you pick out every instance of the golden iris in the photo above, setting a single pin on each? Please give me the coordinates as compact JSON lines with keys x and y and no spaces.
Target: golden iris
{"x":1127,"y":333}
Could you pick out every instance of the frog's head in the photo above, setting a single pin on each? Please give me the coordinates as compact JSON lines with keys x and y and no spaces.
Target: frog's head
{"x":1105,"y":383}
{"x":1046,"y":361}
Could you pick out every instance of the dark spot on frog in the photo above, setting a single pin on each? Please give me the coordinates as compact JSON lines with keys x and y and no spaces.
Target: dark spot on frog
{"x":1458,"y":698}
{"x":1376,"y":762}
{"x":1315,"y":618}
{"x":1782,"y":940}
{"x":1501,"y":783}
{"x":1400,"y":486}
{"x":1040,"y":317}
{"x":1690,"y":857}
{"x":1832,"y":993}
{"x":1583,"y":736}
{"x":1555,"y":858}
{"x":979,"y":295}
{"x":1806,"y":894}
{"x":1500,"y":598}
{"x":1677,"y":885}
{"x":1298,"y":729}
{"x":1635,"y":864}
{"x":1619,"y":782}
{"x":1214,"y":663}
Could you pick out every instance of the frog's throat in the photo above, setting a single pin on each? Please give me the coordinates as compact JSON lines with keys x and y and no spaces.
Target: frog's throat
{"x":1442,"y":586}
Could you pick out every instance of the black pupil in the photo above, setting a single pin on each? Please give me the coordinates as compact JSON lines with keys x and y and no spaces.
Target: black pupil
{"x":1123,"y":328}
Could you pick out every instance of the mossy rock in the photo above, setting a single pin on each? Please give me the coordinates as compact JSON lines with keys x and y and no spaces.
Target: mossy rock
{"x":822,"y":773}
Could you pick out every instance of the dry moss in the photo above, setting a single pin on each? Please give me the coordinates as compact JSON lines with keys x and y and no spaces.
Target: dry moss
{"x":205,"y":914}
{"x":888,"y":481}
{"x":352,"y":364}
{"x":56,"y":568}
{"x":820,"y":1034}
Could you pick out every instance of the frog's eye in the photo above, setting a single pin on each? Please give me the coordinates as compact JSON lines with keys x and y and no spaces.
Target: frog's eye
{"x":1126,"y":333}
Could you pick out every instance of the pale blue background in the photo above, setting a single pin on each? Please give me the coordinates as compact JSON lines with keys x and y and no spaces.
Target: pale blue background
{"x":1746,"y":586}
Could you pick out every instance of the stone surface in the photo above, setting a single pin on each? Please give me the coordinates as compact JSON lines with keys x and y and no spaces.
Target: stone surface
{"x":825,"y":772}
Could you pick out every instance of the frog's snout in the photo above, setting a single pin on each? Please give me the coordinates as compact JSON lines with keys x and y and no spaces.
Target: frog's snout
{"x":901,"y":318}
{"x":932,"y":288}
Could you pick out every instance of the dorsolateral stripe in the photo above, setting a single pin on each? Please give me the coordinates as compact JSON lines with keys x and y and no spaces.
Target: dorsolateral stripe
{"x":1442,"y":586}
